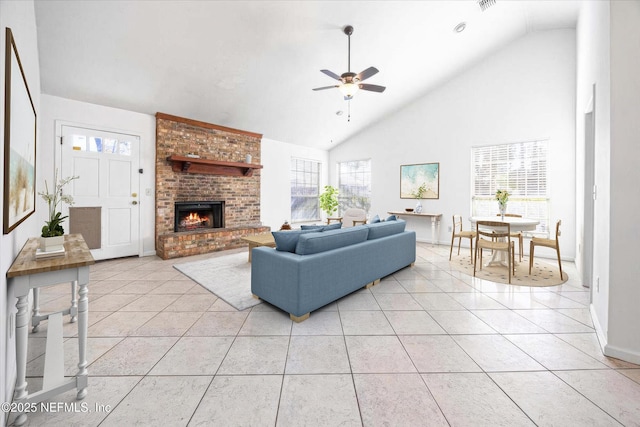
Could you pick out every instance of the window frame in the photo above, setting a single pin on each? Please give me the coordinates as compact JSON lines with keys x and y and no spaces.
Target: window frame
{"x":293,"y":175}
{"x":346,"y":202}
{"x":507,"y":170}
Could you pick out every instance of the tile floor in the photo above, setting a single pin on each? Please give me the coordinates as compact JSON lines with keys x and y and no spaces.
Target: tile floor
{"x":426,"y":346}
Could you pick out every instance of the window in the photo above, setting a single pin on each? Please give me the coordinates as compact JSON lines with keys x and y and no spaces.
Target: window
{"x":97,"y":144}
{"x":354,"y":185}
{"x":521,"y":169}
{"x":305,"y":184}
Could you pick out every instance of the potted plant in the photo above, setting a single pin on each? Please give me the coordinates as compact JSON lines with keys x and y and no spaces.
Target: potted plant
{"x":418,"y":194}
{"x":52,"y":236}
{"x":329,"y":200}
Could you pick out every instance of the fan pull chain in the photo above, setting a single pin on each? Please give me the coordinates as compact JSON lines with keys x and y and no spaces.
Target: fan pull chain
{"x":349,"y":110}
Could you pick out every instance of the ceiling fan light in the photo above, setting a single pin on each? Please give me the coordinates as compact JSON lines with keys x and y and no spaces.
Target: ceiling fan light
{"x":348,"y":89}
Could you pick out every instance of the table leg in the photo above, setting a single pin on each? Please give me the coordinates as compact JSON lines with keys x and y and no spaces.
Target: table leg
{"x":433,"y":230}
{"x":251,"y":246}
{"x":35,"y":322}
{"x":83,"y":320}
{"x":74,"y":301}
{"x":22,"y":324}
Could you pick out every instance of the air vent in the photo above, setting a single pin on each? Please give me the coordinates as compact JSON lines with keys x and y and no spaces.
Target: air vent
{"x":486,"y":4}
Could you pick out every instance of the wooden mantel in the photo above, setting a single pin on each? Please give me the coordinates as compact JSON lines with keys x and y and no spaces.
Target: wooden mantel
{"x":211,"y":167}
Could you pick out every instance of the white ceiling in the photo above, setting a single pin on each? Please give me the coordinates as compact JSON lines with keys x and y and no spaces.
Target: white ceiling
{"x":251,"y":65}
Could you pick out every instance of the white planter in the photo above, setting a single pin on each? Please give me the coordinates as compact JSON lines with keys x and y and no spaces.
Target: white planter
{"x":49,"y":244}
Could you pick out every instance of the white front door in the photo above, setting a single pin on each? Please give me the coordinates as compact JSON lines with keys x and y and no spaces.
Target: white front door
{"x":107,"y":166}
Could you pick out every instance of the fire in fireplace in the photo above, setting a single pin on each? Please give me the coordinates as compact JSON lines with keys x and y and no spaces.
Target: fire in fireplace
{"x":197,"y":215}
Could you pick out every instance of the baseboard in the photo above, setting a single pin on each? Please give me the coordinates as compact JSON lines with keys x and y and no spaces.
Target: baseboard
{"x":622,"y":354}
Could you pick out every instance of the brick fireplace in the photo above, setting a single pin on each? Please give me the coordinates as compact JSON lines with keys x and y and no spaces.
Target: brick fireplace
{"x":207,"y":164}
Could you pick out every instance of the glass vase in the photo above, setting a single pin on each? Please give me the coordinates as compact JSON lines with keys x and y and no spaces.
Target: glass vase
{"x":503,"y":209}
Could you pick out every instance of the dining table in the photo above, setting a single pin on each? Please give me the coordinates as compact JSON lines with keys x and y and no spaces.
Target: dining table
{"x":515,"y":223}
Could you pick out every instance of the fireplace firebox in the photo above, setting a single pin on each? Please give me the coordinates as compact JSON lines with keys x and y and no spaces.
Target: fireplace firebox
{"x":197,"y":215}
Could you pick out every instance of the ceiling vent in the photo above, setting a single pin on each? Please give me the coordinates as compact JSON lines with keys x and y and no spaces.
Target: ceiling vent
{"x":486,"y":4}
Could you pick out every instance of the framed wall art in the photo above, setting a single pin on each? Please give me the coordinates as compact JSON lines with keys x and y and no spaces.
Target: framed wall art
{"x":19,"y":141}
{"x":413,"y":177}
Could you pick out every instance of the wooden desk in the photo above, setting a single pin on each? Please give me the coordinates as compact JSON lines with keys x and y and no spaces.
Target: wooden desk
{"x":435,"y":221}
{"x":259,"y":240}
{"x":27,"y":273}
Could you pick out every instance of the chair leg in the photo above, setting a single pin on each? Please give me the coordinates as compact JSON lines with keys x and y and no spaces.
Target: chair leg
{"x":453,"y":237}
{"x":559,"y":262}
{"x":471,"y":247}
{"x":521,"y":245}
{"x":475,"y":261}
{"x":509,"y":259}
{"x":531,"y":246}
{"x":459,"y":243}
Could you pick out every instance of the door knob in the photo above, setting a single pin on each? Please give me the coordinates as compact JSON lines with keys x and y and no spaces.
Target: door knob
{"x":135,"y":202}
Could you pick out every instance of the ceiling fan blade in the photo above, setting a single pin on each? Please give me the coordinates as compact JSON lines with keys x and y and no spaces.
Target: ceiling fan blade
{"x":331,"y":74}
{"x":371,"y":71}
{"x":372,"y":88}
{"x":325,"y":87}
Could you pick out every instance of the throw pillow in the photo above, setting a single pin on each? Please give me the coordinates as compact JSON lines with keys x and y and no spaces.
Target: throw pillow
{"x":392,"y":218}
{"x":313,"y":227}
{"x":375,"y":219}
{"x":286,"y":241}
{"x":334,"y":226}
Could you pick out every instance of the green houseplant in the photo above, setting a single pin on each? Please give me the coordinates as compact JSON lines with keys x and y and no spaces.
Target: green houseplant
{"x":53,"y":232}
{"x":329,"y":200}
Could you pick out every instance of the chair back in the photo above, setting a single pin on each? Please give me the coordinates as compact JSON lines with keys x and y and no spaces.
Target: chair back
{"x":511,"y":215}
{"x":493,"y":229}
{"x":353,"y":214}
{"x":457,"y":223}
{"x":558,"y":229}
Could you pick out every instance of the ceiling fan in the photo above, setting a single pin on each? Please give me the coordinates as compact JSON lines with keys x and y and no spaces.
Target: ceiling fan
{"x":350,"y":82}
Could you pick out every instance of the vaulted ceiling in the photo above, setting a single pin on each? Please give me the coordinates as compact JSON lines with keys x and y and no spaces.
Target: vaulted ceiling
{"x":252,"y":64}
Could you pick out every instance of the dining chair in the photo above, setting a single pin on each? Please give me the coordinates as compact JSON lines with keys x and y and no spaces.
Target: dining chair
{"x":460,"y":234}
{"x":494,"y":235}
{"x":549,"y":243}
{"x":517,"y":234}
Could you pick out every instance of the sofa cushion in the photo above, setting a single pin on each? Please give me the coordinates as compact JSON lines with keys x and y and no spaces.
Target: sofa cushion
{"x":320,"y":242}
{"x":385,"y":228}
{"x":287,"y":240}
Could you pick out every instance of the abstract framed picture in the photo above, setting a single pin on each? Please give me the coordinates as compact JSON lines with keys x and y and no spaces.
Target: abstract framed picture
{"x":426,"y":175}
{"x":19,"y":141}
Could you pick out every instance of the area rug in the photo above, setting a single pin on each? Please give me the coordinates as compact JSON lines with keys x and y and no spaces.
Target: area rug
{"x":227,"y":276}
{"x":542,"y":274}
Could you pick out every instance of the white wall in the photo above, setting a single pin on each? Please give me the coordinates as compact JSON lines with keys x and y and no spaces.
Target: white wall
{"x":275,"y":184}
{"x":524,"y":91}
{"x":107,"y":118}
{"x":624,"y":292}
{"x":593,"y":67}
{"x":20,"y":17}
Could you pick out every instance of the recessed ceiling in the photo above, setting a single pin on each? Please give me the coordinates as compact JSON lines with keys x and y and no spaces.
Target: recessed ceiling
{"x":252,"y":64}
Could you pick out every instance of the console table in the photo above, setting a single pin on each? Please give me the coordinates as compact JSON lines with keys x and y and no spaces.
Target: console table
{"x":435,"y":221}
{"x":27,"y":273}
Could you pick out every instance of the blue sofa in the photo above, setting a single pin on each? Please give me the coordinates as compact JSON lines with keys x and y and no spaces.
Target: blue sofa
{"x":310,"y":268}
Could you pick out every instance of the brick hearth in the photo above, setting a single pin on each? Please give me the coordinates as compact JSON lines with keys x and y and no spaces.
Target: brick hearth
{"x":241,"y":194}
